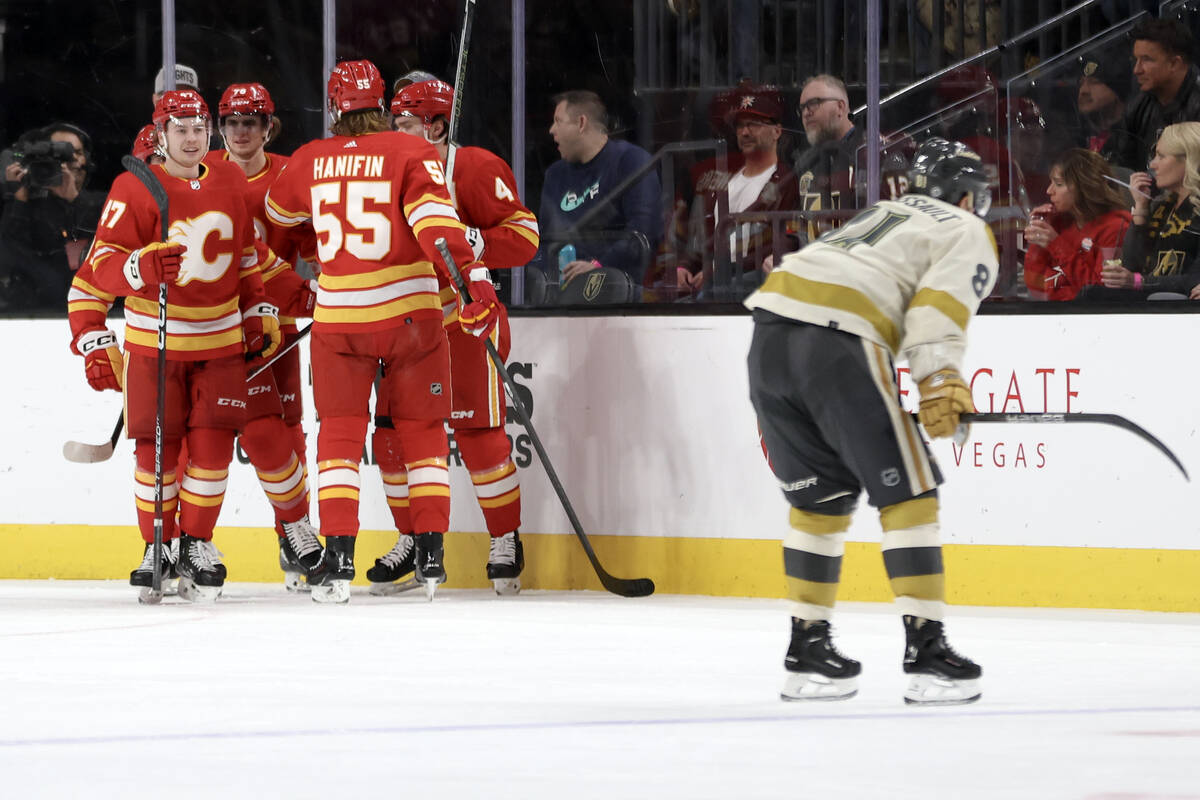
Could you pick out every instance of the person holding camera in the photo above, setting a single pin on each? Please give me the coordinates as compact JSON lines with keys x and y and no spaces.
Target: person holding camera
{"x":49,"y":220}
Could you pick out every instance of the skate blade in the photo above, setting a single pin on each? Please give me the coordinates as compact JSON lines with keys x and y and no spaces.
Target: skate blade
{"x":194,"y":593}
{"x":397,"y":587}
{"x":506,"y":587}
{"x":170,"y":587}
{"x":149,"y":597}
{"x":813,"y":686}
{"x":934,"y":690}
{"x":337,"y":591}
{"x":294,"y":582}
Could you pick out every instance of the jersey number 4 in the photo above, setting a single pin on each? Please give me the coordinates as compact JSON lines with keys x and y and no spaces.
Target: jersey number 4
{"x":364,"y":234}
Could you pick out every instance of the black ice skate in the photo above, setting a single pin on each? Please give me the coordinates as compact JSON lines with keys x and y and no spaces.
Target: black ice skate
{"x":816,"y":670}
{"x":299,"y":551}
{"x":401,"y":561}
{"x":937,"y":675}
{"x":429,"y":569}
{"x":330,"y":577}
{"x":201,"y":573}
{"x":506,"y":559}
{"x":143,"y":576}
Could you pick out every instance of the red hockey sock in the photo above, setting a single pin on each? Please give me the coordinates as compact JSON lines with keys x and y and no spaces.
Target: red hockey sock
{"x":203,"y":489}
{"x":144,"y":487}
{"x":485,"y":451}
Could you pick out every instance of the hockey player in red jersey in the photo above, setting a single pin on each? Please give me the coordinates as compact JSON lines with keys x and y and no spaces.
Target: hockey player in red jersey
{"x":503,"y":234}
{"x":216,"y":312}
{"x":377,"y":202}
{"x":273,"y":438}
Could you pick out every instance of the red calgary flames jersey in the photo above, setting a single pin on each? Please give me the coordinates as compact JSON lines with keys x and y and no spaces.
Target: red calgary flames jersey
{"x":218,"y":276}
{"x":376,"y":205}
{"x":485,"y":195}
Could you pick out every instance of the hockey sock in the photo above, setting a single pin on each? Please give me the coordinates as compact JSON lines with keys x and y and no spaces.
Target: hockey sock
{"x":425,"y":451}
{"x":144,"y":487}
{"x":812,"y":562}
{"x":485,"y":451}
{"x":385,"y":445}
{"x":339,"y":448}
{"x":203,"y":490}
{"x":300,"y":445}
{"x":912,"y":555}
{"x":268,"y":443}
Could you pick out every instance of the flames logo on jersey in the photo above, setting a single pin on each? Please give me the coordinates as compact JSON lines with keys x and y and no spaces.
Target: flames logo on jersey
{"x":212,"y":231}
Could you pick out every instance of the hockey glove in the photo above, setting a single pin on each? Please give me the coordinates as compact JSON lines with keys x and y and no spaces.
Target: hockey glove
{"x":480,"y":316}
{"x":102,"y":359}
{"x":944,"y":396}
{"x":308,"y":299}
{"x":260,"y":329}
{"x":154,"y":264}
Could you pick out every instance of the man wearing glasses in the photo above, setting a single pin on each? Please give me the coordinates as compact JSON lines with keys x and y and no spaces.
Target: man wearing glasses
{"x":826,"y":168}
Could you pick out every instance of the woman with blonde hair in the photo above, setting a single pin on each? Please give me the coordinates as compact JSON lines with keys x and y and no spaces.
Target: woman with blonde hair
{"x":1161,"y":249}
{"x":1066,"y":236}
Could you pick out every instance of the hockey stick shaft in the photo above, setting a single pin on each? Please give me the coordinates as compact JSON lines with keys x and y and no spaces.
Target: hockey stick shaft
{"x":81,"y":453}
{"x":143,"y":173}
{"x":460,"y":82}
{"x":636,"y":587}
{"x":1116,"y":420}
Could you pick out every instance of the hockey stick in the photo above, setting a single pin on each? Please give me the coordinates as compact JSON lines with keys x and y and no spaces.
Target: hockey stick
{"x":142,"y":172}
{"x":1115,"y":420}
{"x":82,"y":453}
{"x":460,"y":80}
{"x":625,"y":587}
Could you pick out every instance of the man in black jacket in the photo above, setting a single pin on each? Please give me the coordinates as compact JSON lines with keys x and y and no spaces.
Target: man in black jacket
{"x":1169,"y":83}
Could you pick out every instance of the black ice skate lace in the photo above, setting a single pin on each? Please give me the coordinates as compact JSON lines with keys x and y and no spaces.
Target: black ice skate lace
{"x":204,"y":555}
{"x":301,"y":536}
{"x":503,"y":549}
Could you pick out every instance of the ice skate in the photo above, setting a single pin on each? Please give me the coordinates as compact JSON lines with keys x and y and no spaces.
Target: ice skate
{"x":429,"y":568}
{"x":506,"y":559}
{"x":201,"y":573}
{"x":936,"y":674}
{"x":299,"y":551}
{"x":330,"y":577}
{"x":143,"y":576}
{"x":816,"y":670}
{"x":386,"y":576}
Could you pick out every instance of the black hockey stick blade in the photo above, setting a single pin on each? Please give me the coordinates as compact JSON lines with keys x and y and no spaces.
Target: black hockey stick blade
{"x":623,"y":587}
{"x":1115,"y":420}
{"x":81,"y":453}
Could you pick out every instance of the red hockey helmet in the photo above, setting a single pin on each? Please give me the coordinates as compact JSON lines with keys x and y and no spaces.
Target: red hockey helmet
{"x":146,"y":144}
{"x":426,"y":101}
{"x":246,"y":99}
{"x":354,"y":86}
{"x":181,"y":103}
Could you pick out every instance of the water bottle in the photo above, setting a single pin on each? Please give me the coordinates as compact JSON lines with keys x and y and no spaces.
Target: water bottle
{"x":565,"y":256}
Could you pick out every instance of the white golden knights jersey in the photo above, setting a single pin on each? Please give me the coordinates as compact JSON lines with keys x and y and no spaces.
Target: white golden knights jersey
{"x":906,"y":273}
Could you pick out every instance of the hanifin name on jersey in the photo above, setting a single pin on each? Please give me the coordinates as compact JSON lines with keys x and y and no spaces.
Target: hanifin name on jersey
{"x":933,"y":209}
{"x":347,"y":167}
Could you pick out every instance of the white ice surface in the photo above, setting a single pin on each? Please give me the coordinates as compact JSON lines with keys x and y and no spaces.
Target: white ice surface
{"x":570,"y":695}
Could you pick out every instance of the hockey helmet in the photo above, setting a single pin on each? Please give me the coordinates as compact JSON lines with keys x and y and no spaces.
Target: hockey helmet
{"x":179,"y":104}
{"x":946,"y":170}
{"x":146,"y":144}
{"x":354,"y":86}
{"x":411,"y":77}
{"x":246,"y":99}
{"x":426,"y":101}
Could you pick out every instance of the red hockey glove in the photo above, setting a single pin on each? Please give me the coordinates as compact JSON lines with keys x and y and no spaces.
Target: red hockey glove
{"x":944,"y":396}
{"x":102,"y":359}
{"x":154,"y":264}
{"x":479,"y":317}
{"x":308,"y":299}
{"x":260,"y":330}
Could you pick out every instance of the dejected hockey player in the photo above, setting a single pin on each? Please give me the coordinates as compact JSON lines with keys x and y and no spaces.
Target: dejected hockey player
{"x":901,"y":279}
{"x":273,"y":437}
{"x":216,"y":312}
{"x":377,"y":202}
{"x":503,"y":234}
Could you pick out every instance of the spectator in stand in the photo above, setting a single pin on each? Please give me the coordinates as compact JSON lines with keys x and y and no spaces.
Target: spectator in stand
{"x":1085,"y":215}
{"x":185,"y":78}
{"x":826,"y":168}
{"x":1161,"y":249}
{"x":762,"y":183}
{"x":592,"y":166}
{"x":48,"y":225}
{"x":1103,"y":86}
{"x":1169,"y":83}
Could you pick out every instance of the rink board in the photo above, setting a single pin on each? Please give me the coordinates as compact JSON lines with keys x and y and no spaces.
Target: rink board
{"x":648,"y":423}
